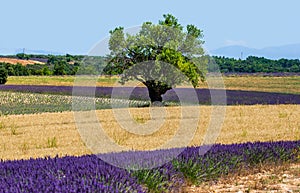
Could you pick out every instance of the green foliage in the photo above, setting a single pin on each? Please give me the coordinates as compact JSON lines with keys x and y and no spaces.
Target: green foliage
{"x":71,"y":65}
{"x":55,"y":65}
{"x":60,"y":68}
{"x":3,"y":75}
{"x":36,"y":69}
{"x":23,"y":56}
{"x":254,"y":64}
{"x":46,"y":71}
{"x":20,"y":70}
{"x":153,"y":179}
{"x":170,"y":21}
{"x":160,"y":56}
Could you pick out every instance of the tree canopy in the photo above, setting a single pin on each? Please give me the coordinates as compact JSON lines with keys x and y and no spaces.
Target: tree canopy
{"x":160,"y":56}
{"x":3,"y":75}
{"x":254,"y":64}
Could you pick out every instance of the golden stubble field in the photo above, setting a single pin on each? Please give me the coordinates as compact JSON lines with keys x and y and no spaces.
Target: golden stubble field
{"x":19,"y":61}
{"x":51,"y":134}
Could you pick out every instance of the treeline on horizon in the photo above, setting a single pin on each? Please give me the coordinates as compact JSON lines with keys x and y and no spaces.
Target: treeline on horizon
{"x":73,"y":64}
{"x":253,"y":64}
{"x":56,"y":65}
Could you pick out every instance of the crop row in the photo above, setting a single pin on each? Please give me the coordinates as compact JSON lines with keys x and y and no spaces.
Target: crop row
{"x":229,"y":97}
{"x":29,"y":103}
{"x":91,"y":174}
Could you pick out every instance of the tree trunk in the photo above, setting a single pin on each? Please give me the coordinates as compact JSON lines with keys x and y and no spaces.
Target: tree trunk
{"x":156,"y":89}
{"x":154,"y":94}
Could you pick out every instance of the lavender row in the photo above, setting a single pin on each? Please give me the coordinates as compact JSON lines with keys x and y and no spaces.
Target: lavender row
{"x":91,"y":174}
{"x":232,"y":97}
{"x":193,"y":167}
{"x":225,"y":159}
{"x":68,"y":174}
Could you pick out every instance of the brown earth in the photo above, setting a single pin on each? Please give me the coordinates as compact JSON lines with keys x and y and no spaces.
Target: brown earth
{"x":264,"y":179}
{"x":19,"y":61}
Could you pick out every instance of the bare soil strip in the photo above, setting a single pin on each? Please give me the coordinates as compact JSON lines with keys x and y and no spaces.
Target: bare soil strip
{"x":264,"y":179}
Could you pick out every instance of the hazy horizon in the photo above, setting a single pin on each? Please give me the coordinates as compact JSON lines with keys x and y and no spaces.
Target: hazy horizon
{"x":75,"y":27}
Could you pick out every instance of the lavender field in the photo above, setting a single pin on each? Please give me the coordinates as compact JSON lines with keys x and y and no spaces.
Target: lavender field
{"x":88,"y":173}
{"x":33,"y":99}
{"x":157,"y":97}
{"x":91,"y":174}
{"x":140,"y":93}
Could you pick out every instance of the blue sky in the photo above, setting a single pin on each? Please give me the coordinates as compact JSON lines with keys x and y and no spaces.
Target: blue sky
{"x":76,"y":26}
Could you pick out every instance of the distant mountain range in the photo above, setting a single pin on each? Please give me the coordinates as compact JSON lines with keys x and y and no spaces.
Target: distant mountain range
{"x":10,"y":51}
{"x":291,"y":51}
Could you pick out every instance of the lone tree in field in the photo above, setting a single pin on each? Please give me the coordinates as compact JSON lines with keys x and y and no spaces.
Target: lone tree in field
{"x":160,"y":56}
{"x":3,"y":75}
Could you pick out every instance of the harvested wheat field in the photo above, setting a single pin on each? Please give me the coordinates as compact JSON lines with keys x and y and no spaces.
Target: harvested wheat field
{"x":51,"y":134}
{"x":19,"y":61}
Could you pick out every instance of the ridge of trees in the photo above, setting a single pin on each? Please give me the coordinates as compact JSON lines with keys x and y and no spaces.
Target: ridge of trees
{"x":54,"y":65}
{"x":72,"y":64}
{"x":253,"y":64}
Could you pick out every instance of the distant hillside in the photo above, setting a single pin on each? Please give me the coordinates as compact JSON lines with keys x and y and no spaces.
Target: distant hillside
{"x":291,"y":51}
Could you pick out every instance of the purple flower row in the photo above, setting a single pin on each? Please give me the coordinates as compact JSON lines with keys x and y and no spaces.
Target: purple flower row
{"x":68,"y":174}
{"x":229,"y":97}
{"x":91,"y":174}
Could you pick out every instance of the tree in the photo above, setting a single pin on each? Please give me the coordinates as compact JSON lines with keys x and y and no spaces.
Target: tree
{"x":3,"y":75}
{"x":60,"y":68}
{"x":23,"y":56}
{"x":160,"y":56}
